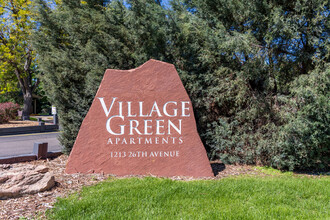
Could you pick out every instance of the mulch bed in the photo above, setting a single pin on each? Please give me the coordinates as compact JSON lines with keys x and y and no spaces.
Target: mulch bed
{"x":35,"y":206}
{"x":18,"y":123}
{"x":12,"y":124}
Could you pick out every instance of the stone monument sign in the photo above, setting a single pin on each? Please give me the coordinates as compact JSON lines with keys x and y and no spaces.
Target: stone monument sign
{"x":141,"y":122}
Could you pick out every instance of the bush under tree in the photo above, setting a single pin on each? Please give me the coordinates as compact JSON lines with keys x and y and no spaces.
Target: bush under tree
{"x":8,"y":111}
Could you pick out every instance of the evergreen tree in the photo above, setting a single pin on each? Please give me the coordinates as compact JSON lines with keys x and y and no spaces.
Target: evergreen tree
{"x":241,"y":60}
{"x":242,"y":63}
{"x":78,"y":40}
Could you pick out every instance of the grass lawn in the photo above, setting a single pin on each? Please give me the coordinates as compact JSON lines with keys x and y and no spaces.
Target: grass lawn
{"x":243,"y":197}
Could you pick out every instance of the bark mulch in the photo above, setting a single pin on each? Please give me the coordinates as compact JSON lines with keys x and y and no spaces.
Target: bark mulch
{"x":12,"y":124}
{"x":35,"y":206}
{"x":17,"y":123}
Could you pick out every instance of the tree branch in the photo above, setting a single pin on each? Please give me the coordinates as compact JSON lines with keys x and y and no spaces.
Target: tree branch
{"x":20,"y":80}
{"x":35,"y":85}
{"x":256,"y":45}
{"x":28,"y":61}
{"x":26,"y":83}
{"x":279,"y":50}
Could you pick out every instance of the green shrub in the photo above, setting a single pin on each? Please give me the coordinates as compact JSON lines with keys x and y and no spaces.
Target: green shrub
{"x":301,"y":141}
{"x":238,"y":69}
{"x":304,"y":142}
{"x":8,"y":111}
{"x":33,"y":119}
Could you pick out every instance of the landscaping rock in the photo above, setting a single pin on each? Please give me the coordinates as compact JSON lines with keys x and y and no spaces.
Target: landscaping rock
{"x":25,"y":180}
{"x":41,"y":169}
{"x":3,"y":179}
{"x":5,"y":166}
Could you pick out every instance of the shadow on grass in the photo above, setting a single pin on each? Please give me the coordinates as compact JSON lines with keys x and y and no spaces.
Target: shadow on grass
{"x":323,"y":172}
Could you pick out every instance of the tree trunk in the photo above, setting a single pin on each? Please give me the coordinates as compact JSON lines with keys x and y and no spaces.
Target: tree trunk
{"x":27,"y":105}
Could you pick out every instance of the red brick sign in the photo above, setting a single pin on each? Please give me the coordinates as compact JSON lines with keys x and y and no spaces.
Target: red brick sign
{"x":141,"y":122}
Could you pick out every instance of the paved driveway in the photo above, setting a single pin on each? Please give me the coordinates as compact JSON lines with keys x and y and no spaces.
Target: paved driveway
{"x":13,"y":145}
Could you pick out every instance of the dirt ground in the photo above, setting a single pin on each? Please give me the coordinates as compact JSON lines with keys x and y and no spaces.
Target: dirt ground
{"x":34,"y":206}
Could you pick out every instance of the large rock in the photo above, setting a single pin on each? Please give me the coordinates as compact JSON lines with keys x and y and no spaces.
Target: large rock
{"x":25,"y":180}
{"x":141,"y":122}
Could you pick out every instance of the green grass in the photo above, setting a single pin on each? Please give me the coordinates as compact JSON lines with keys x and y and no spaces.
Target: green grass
{"x":33,"y":119}
{"x":271,"y":197}
{"x":272,"y":171}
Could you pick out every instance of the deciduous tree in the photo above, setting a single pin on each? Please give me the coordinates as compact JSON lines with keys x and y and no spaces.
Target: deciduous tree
{"x":16,"y":54}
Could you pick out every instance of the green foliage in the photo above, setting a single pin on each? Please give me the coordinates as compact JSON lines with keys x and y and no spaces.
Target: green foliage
{"x":8,"y":111}
{"x":242,"y":63}
{"x":15,"y":97}
{"x":77,"y":41}
{"x":33,"y":119}
{"x":304,"y":142}
{"x":242,"y":59}
{"x":17,"y":58}
{"x":273,"y":172}
{"x":276,"y":197}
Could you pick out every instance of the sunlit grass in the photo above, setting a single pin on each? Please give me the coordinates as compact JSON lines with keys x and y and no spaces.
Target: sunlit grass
{"x":272,"y":171}
{"x":276,"y":197}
